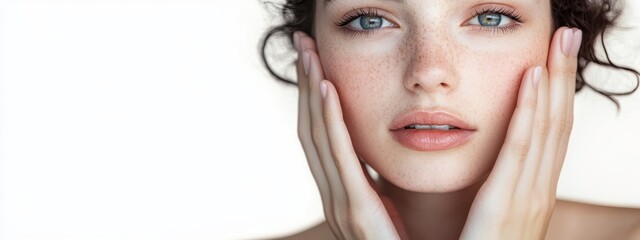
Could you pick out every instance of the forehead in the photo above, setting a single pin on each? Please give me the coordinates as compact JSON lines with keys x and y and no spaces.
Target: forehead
{"x":326,"y":3}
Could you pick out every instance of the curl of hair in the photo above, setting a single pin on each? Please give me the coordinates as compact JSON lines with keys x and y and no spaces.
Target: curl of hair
{"x":593,"y":17}
{"x":298,"y":15}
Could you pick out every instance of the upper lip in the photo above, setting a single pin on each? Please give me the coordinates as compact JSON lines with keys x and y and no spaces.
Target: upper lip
{"x":429,"y":118}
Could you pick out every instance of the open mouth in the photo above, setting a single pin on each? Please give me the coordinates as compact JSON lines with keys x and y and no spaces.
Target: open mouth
{"x":431,"y":131}
{"x":431,"y":127}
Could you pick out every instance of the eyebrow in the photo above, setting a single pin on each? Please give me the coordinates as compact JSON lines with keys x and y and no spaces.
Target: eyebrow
{"x":327,"y":2}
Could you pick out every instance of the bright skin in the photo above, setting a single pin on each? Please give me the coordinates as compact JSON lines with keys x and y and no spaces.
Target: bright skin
{"x":447,"y":65}
{"x":513,"y":82}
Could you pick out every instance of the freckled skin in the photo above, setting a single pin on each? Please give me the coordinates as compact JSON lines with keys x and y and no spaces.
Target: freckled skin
{"x":430,"y":61}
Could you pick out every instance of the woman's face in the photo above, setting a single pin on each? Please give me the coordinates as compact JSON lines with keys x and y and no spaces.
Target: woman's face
{"x":399,"y":65}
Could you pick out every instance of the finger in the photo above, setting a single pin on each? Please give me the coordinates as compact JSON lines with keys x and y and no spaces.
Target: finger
{"x":575,"y":49}
{"x":347,"y":162}
{"x":518,"y":139}
{"x":562,"y":64}
{"x":306,"y":43}
{"x":361,"y":196}
{"x":532,"y":162}
{"x":318,"y":128}
{"x":571,"y":93}
{"x":313,"y":70}
{"x":304,"y":128}
{"x":304,"y":133}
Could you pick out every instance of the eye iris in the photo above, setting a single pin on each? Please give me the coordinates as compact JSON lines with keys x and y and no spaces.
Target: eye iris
{"x":489,"y":19}
{"x":368,"y":22}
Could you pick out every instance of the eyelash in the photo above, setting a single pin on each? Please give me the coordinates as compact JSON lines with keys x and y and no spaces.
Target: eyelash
{"x":372,"y":12}
{"x":508,"y":12}
{"x":355,"y":14}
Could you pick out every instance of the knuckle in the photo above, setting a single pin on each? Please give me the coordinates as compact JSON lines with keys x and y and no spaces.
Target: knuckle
{"x":558,"y":119}
{"x":327,"y":118}
{"x":528,"y":104}
{"x":357,"y":223}
{"x":559,"y":124}
{"x":570,"y":71}
{"x":345,"y":223}
{"x":542,"y":206}
{"x":565,"y":70}
{"x":521,"y":148}
{"x":353,"y":219}
{"x":531,"y":103}
{"x":542,"y":127}
{"x":336,"y":155}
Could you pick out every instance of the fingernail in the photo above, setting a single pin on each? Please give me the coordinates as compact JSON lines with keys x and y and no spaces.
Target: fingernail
{"x":296,"y":41}
{"x":323,"y":89}
{"x":567,"y":41}
{"x":305,"y":62}
{"x":577,"y":41}
{"x":537,"y":74}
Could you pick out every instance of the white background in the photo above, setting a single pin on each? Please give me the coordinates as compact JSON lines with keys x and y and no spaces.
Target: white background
{"x":140,"y":119}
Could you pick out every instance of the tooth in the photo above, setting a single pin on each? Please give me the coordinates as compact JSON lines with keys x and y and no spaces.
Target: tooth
{"x":440,"y":127}
{"x":428,"y":127}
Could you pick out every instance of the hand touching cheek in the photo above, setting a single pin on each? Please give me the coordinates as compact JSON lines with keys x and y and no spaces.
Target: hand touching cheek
{"x":517,"y":200}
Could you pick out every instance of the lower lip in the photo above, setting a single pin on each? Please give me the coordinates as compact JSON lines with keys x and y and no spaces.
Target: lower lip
{"x":431,"y":140}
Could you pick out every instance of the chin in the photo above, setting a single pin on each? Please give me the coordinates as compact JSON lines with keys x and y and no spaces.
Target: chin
{"x":446,"y":182}
{"x":433,"y":172}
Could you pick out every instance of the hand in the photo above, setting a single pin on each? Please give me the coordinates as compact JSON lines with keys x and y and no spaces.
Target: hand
{"x":518,"y":197}
{"x":352,"y":206}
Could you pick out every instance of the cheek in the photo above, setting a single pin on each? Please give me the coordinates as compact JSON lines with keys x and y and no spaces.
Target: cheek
{"x":495,"y":84}
{"x":362,"y":80}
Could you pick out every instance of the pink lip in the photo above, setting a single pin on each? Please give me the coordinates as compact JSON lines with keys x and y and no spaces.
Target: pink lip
{"x":431,"y":140}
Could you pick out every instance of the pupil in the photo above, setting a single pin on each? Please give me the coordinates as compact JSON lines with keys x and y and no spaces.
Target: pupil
{"x":489,"y":19}
{"x":370,"y":22}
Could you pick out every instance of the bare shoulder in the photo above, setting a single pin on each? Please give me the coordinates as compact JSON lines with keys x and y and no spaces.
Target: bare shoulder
{"x":574,"y":220}
{"x":320,"y":231}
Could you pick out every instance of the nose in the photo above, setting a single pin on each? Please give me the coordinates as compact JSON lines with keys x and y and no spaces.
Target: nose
{"x":432,"y":66}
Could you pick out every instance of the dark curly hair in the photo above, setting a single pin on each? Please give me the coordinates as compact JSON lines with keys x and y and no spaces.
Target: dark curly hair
{"x":593,"y":17}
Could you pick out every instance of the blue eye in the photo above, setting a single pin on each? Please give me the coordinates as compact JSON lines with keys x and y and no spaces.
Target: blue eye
{"x":369,"y":23}
{"x":495,"y":17}
{"x":491,"y":20}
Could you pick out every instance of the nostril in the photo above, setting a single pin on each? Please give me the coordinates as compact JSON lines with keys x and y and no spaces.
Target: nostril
{"x":442,"y":84}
